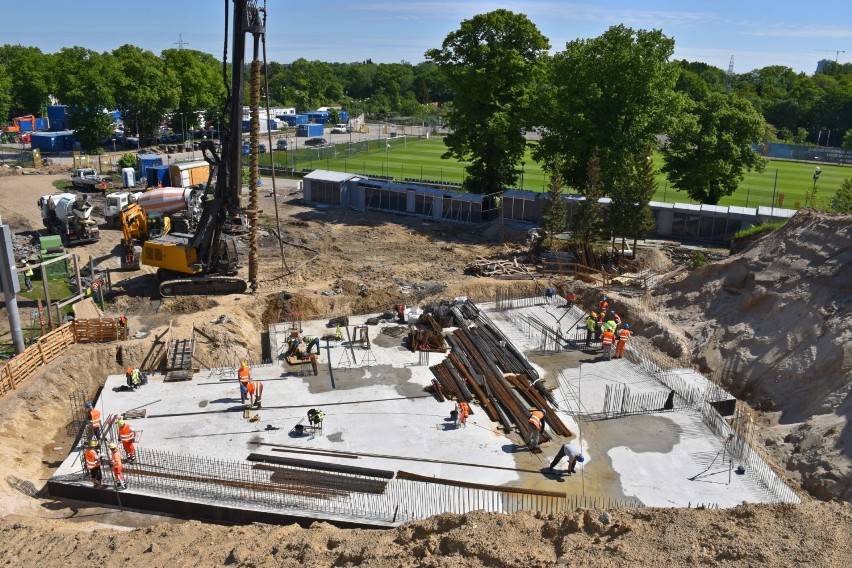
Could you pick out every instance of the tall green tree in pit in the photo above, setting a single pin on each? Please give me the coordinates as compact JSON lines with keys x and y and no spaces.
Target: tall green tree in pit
{"x":553,"y":220}
{"x":629,"y":215}
{"x":491,"y":63}
{"x":709,"y":152}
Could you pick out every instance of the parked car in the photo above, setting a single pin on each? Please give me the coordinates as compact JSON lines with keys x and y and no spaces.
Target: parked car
{"x":316,"y":142}
{"x":338,"y":130}
{"x":261,"y":148}
{"x":246,"y":149}
{"x":281,"y":144}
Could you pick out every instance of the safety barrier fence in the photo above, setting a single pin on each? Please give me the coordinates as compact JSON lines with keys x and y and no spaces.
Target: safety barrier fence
{"x":285,"y":488}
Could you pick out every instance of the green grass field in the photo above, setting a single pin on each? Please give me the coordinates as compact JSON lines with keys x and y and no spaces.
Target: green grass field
{"x":421,"y":159}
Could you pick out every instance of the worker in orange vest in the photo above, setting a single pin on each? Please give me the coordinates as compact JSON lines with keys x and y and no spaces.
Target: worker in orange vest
{"x":127,"y":436}
{"x":254,"y":390}
{"x":537,"y":423}
{"x":94,"y":420}
{"x":244,"y":375}
{"x":117,"y":467}
{"x":571,"y":297}
{"x":93,"y":464}
{"x":623,"y":335}
{"x":607,"y":340}
{"x":603,"y":305}
{"x":462,"y":412}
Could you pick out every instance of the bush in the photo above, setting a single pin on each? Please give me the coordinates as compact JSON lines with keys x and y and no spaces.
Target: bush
{"x":698,"y":260}
{"x":127,"y":161}
{"x":757,"y":229}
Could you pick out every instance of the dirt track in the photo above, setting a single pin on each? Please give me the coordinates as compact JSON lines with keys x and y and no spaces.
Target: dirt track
{"x":368,"y":262}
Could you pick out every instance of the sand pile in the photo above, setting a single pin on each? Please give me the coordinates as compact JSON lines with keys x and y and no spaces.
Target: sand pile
{"x":773,"y":323}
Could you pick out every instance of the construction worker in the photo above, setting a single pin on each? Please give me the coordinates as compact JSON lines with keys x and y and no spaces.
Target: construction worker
{"x":574,"y":455}
{"x":254,"y":390}
{"x":571,"y":297}
{"x":598,"y":327}
{"x":400,"y":311}
{"x":244,"y":376}
{"x":537,"y":423}
{"x":133,"y":378}
{"x":462,"y":412}
{"x":28,"y":274}
{"x":591,"y":323}
{"x":94,"y":420}
{"x":612,"y":321}
{"x":607,"y":340}
{"x":311,"y":341}
{"x":603,"y":305}
{"x":93,"y":464}
{"x":117,"y":467}
{"x":127,"y":436}
{"x":623,"y":335}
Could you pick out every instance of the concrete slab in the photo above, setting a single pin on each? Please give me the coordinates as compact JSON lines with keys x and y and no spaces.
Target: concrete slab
{"x":377,"y":417}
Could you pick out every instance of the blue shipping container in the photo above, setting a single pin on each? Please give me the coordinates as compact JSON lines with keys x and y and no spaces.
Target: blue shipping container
{"x":57,"y":112}
{"x":53,"y":141}
{"x":158,"y":174}
{"x":343,"y":115}
{"x":309,"y":130}
{"x":145,"y":161}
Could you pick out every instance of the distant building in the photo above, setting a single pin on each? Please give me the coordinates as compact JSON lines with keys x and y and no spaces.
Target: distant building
{"x":821,"y":64}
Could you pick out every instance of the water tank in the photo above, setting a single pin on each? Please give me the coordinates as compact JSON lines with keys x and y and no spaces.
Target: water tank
{"x":129,"y":177}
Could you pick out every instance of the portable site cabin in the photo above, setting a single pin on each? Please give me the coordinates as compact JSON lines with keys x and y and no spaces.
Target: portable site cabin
{"x":186,"y":174}
{"x":332,"y":188}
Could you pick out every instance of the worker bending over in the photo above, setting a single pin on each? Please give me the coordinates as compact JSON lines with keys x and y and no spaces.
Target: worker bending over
{"x":255,"y":393}
{"x":462,"y":412}
{"x":537,"y":426}
{"x":244,"y":376}
{"x":570,"y":297}
{"x":574,"y":455}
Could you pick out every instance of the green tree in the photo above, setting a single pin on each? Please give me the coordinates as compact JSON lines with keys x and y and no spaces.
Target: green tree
{"x":146,"y":90}
{"x":198,"y":76}
{"x":587,"y":217}
{"x":609,"y":96}
{"x":847,"y":139}
{"x":629,"y":214}
{"x":554,"y":211}
{"x":491,"y":63}
{"x":841,"y":202}
{"x":5,"y":93}
{"x":708,"y":154}
{"x":86,"y":82}
{"x":31,"y":73}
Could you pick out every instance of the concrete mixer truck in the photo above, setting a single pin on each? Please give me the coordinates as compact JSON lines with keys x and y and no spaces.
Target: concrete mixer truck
{"x":181,"y":204}
{"x":70,"y":217}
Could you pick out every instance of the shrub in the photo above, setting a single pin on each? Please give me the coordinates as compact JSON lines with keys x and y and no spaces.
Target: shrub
{"x":127,"y":161}
{"x":757,"y":229}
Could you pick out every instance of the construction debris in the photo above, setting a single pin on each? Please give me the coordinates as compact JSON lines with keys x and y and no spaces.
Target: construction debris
{"x":507,"y":269}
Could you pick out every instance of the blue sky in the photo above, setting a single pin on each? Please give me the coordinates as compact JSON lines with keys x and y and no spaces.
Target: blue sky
{"x":782,"y":32}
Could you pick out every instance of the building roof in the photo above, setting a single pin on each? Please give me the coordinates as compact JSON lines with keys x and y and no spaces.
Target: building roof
{"x":326,"y":175}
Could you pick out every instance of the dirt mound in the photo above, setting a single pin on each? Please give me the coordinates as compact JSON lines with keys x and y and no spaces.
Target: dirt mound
{"x":773,"y":323}
{"x":744,"y":536}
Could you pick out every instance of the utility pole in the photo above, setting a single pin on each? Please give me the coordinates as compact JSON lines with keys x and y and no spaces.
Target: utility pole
{"x":180,"y":43}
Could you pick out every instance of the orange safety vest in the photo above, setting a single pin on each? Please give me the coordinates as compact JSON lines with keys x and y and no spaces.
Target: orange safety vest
{"x":115,"y":457}
{"x":126,"y":433}
{"x":571,"y":297}
{"x":92,"y":459}
{"x":623,"y":334}
{"x":464,"y":410}
{"x":607,"y":338}
{"x":253,"y":386}
{"x":603,"y":305}
{"x":95,"y":417}
{"x":535,"y":418}
{"x":244,"y":375}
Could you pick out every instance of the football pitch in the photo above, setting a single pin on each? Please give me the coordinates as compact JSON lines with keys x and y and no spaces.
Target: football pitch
{"x":420,"y":159}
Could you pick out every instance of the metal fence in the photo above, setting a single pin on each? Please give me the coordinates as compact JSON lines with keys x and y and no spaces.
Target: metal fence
{"x":266,"y":486}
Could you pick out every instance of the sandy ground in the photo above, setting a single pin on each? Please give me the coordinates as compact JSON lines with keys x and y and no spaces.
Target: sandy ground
{"x":366,"y":263}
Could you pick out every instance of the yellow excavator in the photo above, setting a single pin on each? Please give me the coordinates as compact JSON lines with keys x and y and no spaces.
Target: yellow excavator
{"x":205,"y":262}
{"x":139,"y":227}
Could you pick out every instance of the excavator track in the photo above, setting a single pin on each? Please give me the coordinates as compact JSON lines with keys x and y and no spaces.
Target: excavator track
{"x":202,"y":286}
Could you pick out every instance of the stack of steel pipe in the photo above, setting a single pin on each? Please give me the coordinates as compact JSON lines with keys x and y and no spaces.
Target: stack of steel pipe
{"x":484,"y":366}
